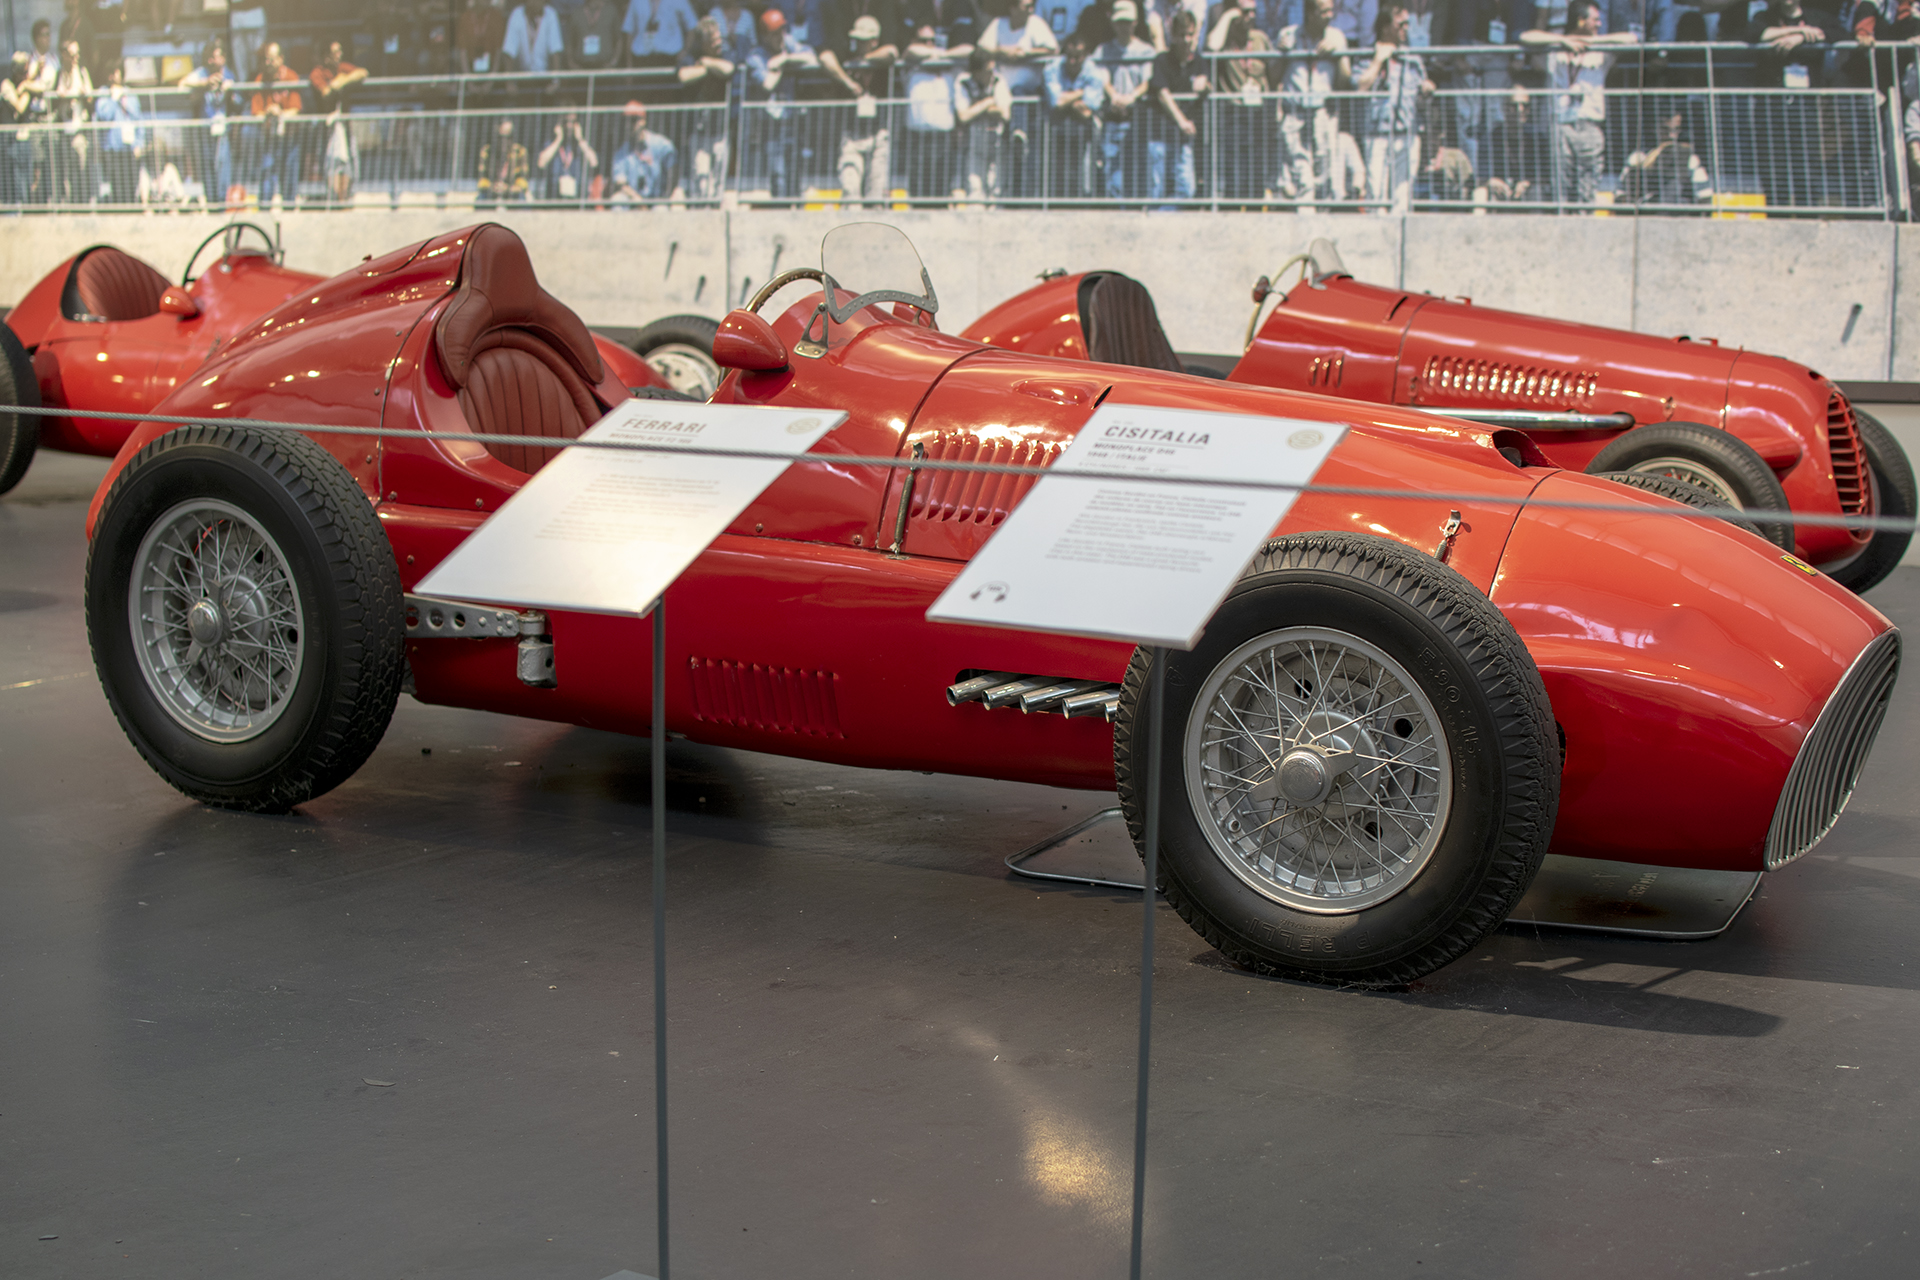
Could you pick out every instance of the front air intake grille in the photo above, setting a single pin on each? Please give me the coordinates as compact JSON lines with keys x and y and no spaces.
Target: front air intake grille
{"x":753,"y":696}
{"x":1823,"y":774}
{"x":1849,"y":459}
{"x":1450,"y":379}
{"x":977,"y":497}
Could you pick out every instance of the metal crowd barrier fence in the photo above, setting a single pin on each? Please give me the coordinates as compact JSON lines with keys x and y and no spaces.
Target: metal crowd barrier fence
{"x":553,"y":156}
{"x":1675,"y":138}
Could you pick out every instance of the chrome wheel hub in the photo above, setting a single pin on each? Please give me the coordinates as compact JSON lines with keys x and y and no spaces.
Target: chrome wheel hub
{"x":687,"y":369}
{"x":204,"y":623}
{"x":217,"y":621}
{"x":1318,"y":770}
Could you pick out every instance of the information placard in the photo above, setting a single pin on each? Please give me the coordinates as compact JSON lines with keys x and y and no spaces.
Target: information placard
{"x":1144,"y":561}
{"x":607,"y":530}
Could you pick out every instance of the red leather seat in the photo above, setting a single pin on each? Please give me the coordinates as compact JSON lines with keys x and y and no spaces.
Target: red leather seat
{"x":524,"y":364}
{"x":109,"y":284}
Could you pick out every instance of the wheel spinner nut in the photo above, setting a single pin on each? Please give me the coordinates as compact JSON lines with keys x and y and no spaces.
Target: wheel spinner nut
{"x":1304,"y":777}
{"x":204,"y":623}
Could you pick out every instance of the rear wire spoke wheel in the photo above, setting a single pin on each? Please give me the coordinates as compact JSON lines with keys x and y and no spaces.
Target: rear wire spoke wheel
{"x":19,"y":432}
{"x":1360,"y":769}
{"x":680,"y":350}
{"x":1724,"y":468}
{"x":1891,"y":475}
{"x":244,"y":610}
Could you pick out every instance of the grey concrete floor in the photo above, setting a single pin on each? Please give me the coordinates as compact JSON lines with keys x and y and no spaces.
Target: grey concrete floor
{"x":889,"y":1058}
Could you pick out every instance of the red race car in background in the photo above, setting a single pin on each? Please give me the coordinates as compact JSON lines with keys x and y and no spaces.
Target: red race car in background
{"x":1406,"y":701}
{"x":107,"y":332}
{"x":1752,"y":430}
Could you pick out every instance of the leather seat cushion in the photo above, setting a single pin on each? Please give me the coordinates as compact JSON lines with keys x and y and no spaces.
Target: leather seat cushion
{"x":110,"y":284}
{"x":518,"y":385}
{"x":498,"y":291}
{"x":1117,"y":316}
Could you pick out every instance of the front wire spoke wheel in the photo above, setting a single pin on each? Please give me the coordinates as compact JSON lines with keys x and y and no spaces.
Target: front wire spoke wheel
{"x":1318,"y":770}
{"x":216,"y":619}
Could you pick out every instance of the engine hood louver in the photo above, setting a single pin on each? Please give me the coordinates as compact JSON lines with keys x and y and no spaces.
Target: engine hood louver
{"x":1457,"y":379}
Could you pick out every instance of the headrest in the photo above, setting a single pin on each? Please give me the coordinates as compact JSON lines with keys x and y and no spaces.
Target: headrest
{"x":498,"y":291}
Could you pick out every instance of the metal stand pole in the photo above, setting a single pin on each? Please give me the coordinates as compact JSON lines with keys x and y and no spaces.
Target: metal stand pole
{"x":659,"y":756}
{"x":1156,"y":706}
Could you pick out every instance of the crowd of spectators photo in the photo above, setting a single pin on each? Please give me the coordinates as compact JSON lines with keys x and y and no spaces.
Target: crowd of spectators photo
{"x":1379,"y":105}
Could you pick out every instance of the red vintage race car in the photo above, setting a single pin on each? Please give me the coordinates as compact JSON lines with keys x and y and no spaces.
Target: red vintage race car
{"x":1406,"y":701}
{"x":107,"y":332}
{"x":1752,"y":430}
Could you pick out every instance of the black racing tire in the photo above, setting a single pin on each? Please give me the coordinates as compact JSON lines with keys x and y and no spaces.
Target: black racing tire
{"x":278,"y":714}
{"x":1481,"y":713}
{"x":1682,"y":492}
{"x":1712,"y":460}
{"x":680,"y":349}
{"x":1893,"y":495}
{"x":19,"y":432}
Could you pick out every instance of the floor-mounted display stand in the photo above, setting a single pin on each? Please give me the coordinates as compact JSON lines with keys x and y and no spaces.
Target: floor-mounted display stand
{"x":1673,"y":903}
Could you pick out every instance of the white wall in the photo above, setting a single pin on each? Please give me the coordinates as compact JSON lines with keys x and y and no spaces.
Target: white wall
{"x":1790,"y":287}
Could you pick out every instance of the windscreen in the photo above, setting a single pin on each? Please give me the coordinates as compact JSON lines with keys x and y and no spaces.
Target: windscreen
{"x":875,"y":263}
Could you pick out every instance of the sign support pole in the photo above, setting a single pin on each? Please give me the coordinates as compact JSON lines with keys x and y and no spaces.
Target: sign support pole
{"x":1150,"y":849}
{"x":659,"y":802}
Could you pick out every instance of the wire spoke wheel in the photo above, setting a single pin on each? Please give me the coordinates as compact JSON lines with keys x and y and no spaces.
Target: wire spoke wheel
{"x":217,"y":621}
{"x":1694,"y":476}
{"x":1318,"y":770}
{"x":1356,"y":764}
{"x":687,"y":369}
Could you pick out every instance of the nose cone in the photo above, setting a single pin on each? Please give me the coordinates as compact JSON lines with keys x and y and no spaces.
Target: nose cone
{"x":1687,"y":663}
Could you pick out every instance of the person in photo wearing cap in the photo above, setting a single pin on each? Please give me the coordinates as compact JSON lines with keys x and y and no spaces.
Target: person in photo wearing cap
{"x":866,"y":141}
{"x":772,"y":69}
{"x":1127,"y":62}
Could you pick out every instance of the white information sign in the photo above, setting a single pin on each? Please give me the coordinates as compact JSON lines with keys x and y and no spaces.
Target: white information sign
{"x":607,"y":530}
{"x":1145,"y":561}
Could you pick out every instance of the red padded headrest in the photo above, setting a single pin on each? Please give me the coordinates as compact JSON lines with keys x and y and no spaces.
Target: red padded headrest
{"x":498,"y":291}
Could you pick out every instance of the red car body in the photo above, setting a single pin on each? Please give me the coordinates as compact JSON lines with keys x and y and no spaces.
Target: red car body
{"x":1334,"y":335}
{"x":100,"y":340}
{"x":1686,"y":662}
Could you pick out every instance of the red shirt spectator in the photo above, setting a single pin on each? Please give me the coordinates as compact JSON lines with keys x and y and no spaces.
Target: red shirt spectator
{"x":273,"y":70}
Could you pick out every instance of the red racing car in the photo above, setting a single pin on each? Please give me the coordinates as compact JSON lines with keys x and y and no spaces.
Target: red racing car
{"x":1402,"y":706}
{"x":108,"y":332}
{"x":1752,"y":430}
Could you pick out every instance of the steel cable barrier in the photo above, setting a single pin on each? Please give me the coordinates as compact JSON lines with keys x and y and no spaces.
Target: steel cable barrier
{"x":1675,"y":510}
{"x":1687,"y":129}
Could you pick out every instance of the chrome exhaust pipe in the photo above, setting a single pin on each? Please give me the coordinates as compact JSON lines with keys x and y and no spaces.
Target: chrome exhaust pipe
{"x":1103,"y":701}
{"x":975,"y":689}
{"x":1007,"y":695}
{"x":1047,"y":698}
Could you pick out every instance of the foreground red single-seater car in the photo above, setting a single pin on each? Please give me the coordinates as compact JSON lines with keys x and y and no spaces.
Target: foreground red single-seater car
{"x":1752,"y":430}
{"x":108,"y":332}
{"x":1404,"y":704}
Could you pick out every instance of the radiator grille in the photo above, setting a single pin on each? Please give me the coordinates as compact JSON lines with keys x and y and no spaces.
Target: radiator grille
{"x":976,"y":497}
{"x":1535,"y":386}
{"x":1823,"y":774}
{"x":751,"y":696}
{"x":1849,"y":459}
